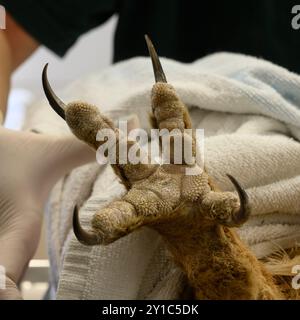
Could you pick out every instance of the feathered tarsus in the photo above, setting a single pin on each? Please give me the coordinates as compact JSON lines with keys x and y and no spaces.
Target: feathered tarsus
{"x":195,"y":220}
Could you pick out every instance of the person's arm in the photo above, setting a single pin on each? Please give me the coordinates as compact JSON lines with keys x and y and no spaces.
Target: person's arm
{"x":26,"y":183}
{"x":16,"y":46}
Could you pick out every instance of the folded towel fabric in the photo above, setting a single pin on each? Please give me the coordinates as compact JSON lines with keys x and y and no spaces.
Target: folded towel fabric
{"x":250,"y":112}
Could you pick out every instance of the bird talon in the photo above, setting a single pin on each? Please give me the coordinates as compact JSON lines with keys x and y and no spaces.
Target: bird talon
{"x":57,"y":105}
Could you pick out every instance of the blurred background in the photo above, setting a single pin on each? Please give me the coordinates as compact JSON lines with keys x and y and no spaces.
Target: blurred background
{"x":92,"y":52}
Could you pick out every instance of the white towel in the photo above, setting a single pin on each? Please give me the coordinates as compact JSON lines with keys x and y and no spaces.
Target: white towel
{"x":249,"y":109}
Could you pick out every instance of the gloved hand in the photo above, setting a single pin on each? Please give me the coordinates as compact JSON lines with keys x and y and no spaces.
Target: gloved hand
{"x":30,"y":165}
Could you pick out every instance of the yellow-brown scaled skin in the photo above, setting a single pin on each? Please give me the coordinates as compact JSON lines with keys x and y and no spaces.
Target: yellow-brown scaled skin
{"x":186,"y":210}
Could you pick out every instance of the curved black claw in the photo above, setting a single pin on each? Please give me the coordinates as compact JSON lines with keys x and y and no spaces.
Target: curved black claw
{"x":242,"y":214}
{"x":83,"y":236}
{"x":57,"y":105}
{"x":157,"y":68}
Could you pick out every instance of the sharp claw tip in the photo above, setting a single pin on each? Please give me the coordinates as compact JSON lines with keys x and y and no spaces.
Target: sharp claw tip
{"x":53,"y":100}
{"x":157,"y":68}
{"x":244,"y":211}
{"x":83,"y":236}
{"x":230,"y":176}
{"x":45,"y":68}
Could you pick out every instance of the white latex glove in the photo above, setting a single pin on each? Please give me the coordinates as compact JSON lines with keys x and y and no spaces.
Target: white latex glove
{"x":30,"y":165}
